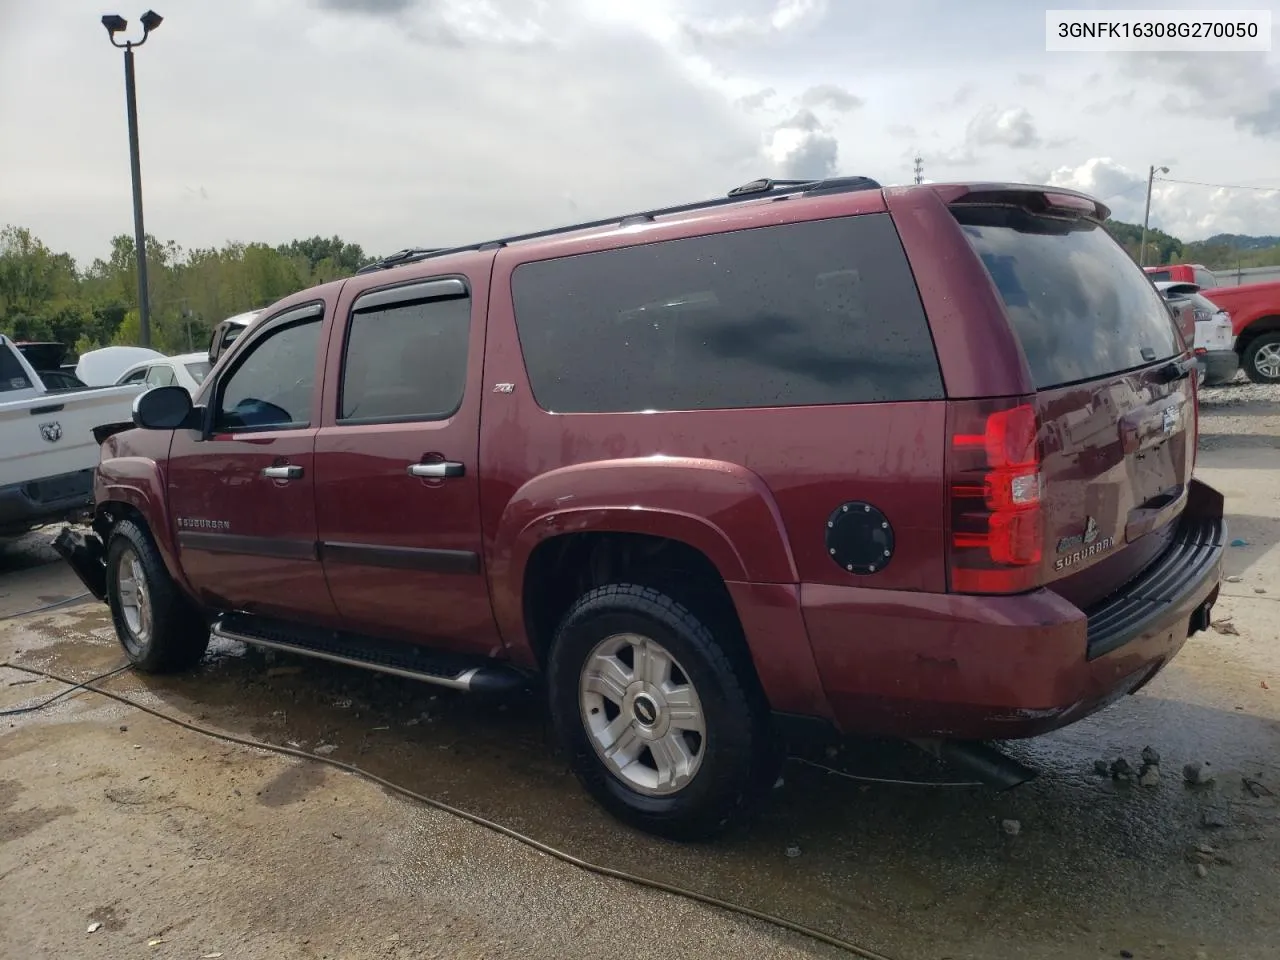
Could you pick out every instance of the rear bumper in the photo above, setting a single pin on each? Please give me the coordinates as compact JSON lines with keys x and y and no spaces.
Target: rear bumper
{"x":977,"y":668}
{"x":33,"y":502}
{"x":1219,"y":365}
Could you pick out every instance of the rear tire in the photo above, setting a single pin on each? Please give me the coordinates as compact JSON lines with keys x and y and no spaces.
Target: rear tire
{"x":160,"y":630}
{"x":1261,"y":359}
{"x":662,"y":725}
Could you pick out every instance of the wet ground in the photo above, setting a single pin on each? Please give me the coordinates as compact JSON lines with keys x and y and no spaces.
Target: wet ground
{"x":218,"y":849}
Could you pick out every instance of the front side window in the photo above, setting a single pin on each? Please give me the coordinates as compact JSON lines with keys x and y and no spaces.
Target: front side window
{"x":272,"y":386}
{"x":821,"y":312}
{"x":406,"y":361}
{"x":135,"y":376}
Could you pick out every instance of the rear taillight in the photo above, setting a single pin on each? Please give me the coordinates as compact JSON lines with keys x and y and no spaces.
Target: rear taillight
{"x":996,"y":488}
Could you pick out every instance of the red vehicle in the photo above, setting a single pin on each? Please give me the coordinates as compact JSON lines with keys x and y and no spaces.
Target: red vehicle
{"x":1195,"y":273}
{"x":1254,"y":309}
{"x":824,"y":454}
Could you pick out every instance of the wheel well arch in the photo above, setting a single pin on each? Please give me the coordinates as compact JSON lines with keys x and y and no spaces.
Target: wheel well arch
{"x":563,"y":568}
{"x":1269,"y":324}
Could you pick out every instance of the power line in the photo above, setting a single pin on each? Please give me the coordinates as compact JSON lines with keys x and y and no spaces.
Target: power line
{"x":1136,"y":186}
{"x":1218,"y":186}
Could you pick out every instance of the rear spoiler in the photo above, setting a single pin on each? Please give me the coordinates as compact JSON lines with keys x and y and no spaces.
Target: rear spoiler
{"x":1039,"y":199}
{"x":105,"y":431}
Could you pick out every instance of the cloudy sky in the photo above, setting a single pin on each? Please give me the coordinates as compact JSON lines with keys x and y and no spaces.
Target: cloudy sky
{"x":426,"y":122}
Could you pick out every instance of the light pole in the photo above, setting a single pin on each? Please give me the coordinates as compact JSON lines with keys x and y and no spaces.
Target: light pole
{"x":1146,"y":216}
{"x":115,"y":24}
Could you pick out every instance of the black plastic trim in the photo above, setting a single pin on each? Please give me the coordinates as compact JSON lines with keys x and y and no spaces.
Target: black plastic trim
{"x":1191,"y":560}
{"x":402,"y":558}
{"x":252,"y":546}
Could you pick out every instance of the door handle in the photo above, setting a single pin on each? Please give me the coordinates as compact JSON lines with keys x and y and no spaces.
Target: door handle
{"x":442,"y":468}
{"x":291,"y":472}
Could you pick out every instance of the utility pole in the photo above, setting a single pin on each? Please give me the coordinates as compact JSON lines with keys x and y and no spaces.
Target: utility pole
{"x":919,"y":169}
{"x":114,"y":24}
{"x":1146,"y":216}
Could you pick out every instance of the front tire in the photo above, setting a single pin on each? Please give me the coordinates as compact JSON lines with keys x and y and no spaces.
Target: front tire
{"x":160,"y":630}
{"x":662,"y":725}
{"x":1261,"y":360}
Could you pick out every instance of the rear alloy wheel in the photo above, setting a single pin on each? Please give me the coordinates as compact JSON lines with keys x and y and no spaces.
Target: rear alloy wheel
{"x":159,"y":628}
{"x":643,"y":715}
{"x":1262,"y":358}
{"x":663,"y":725}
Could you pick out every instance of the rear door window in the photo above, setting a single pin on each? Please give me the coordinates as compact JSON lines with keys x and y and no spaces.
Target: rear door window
{"x":406,"y":360}
{"x":823,"y":312}
{"x":1079,"y":305}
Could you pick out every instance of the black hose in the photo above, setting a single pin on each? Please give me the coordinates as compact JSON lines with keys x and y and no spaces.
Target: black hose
{"x":476,"y":819}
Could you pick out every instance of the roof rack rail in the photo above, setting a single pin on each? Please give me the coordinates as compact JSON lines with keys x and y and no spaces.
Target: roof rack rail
{"x":754,"y":190}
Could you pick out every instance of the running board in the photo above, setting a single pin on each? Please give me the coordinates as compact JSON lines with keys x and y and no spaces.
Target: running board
{"x":470,"y":674}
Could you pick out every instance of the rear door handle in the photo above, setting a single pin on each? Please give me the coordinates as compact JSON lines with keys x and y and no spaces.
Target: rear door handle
{"x":291,"y":472}
{"x":443,"y":468}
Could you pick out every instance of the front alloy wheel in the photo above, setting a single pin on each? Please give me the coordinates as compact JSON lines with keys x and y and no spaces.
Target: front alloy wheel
{"x":135,"y":603}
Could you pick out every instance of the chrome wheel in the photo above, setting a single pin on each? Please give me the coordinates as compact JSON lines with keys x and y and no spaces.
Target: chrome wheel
{"x":642,"y":714}
{"x":135,"y":601}
{"x":1267,"y":361}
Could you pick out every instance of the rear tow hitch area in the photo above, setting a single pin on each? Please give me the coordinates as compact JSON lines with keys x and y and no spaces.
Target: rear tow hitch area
{"x":1202,"y":616}
{"x":986,"y":763}
{"x":87,"y":558}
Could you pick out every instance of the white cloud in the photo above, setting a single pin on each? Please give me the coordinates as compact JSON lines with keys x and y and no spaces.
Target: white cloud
{"x":1243,"y":87}
{"x":831,"y":96}
{"x":1188,"y":211}
{"x":803,"y":148}
{"x":786,"y":15}
{"x":1008,"y":127}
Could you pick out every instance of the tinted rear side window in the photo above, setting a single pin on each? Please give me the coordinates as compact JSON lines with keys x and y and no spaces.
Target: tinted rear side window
{"x":407,"y":361}
{"x":824,"y":312}
{"x":1079,"y":305}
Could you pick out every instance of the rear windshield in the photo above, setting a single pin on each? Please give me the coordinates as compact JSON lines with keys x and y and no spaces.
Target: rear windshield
{"x":1079,"y":305}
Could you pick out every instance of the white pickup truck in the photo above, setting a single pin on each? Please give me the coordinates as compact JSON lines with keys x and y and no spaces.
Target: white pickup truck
{"x":48,"y":450}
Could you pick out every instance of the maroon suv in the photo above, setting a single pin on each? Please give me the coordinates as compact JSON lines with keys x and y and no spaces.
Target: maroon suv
{"x":909,"y":461}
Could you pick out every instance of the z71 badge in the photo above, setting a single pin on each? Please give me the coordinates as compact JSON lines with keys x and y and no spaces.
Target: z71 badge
{"x":1088,"y":542}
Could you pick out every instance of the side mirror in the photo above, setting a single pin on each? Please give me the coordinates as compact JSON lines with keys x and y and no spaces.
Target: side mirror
{"x":162,"y":408}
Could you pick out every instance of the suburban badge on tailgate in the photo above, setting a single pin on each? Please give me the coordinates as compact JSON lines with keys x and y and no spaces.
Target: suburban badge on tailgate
{"x":1088,"y":541}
